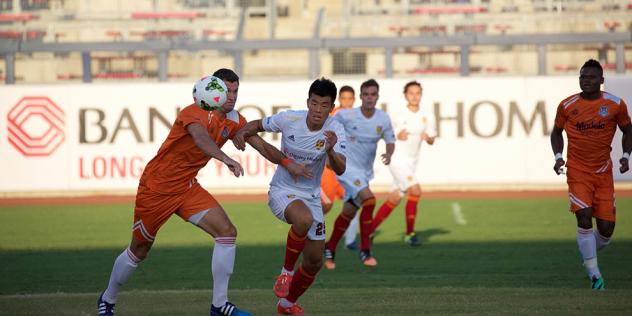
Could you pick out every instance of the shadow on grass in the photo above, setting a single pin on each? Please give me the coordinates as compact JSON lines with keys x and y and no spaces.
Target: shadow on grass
{"x":454,"y":264}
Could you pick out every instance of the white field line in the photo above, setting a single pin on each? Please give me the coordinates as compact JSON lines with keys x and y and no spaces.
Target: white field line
{"x":458,"y":215}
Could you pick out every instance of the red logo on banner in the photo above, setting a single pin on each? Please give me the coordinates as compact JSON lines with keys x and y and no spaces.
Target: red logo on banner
{"x":36,"y":126}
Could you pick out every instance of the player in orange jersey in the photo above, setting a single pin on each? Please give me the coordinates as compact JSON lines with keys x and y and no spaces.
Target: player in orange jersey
{"x":590,"y":119}
{"x":168,"y":186}
{"x":331,"y":189}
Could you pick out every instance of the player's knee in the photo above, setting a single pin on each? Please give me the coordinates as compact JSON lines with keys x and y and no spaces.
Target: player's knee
{"x":140,"y":249}
{"x":606,"y":229}
{"x":304,"y":223}
{"x":584,"y":218}
{"x":227,"y":231}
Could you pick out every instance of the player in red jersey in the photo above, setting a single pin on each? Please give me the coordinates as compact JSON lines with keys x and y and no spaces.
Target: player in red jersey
{"x":168,"y":186}
{"x":590,"y":119}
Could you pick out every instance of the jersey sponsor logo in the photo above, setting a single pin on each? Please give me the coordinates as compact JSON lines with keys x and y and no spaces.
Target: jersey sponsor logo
{"x":291,"y":137}
{"x":320,"y":144}
{"x":225,"y":132}
{"x":294,"y":118}
{"x":291,"y":196}
{"x":378,"y":129}
{"x":603,"y":111}
{"x":582,"y":126}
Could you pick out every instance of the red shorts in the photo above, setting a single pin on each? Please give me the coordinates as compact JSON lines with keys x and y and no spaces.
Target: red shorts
{"x":594,"y":190}
{"x":330,"y":188}
{"x":154,"y":209}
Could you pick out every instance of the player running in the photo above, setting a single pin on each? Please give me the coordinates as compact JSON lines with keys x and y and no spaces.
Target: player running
{"x":364,"y":127}
{"x":169,"y":186}
{"x":590,"y":119}
{"x":309,"y":138}
{"x":413,"y":126}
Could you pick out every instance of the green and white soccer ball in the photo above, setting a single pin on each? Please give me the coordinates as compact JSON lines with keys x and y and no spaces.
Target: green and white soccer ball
{"x":210,"y":93}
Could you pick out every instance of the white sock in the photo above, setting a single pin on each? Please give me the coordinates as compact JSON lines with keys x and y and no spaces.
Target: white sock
{"x":284,"y":270}
{"x":601,"y":241}
{"x":285,"y":303}
{"x":352,"y":231}
{"x":222,"y":267}
{"x":588,"y":248}
{"x":124,"y":266}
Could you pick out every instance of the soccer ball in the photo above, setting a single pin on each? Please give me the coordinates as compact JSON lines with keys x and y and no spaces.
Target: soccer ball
{"x":210,"y":93}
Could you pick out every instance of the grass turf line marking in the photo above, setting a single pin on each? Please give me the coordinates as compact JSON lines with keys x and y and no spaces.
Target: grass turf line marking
{"x":458,"y":215}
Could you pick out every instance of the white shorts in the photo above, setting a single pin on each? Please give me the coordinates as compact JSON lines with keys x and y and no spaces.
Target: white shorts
{"x":404,"y":174}
{"x":353,"y":182}
{"x":279,"y":199}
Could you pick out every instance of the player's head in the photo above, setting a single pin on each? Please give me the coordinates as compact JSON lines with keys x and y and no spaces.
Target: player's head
{"x":320,"y":100}
{"x":413,"y":92}
{"x":346,"y":97}
{"x":369,"y":93}
{"x":231,"y":79}
{"x":591,"y":76}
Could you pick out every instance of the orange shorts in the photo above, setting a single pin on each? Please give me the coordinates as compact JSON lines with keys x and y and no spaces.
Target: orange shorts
{"x":592,"y":190}
{"x":154,"y":209}
{"x":330,"y":188}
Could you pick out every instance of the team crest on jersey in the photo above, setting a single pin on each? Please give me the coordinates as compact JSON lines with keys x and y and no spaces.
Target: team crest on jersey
{"x":291,"y":137}
{"x":225,"y":132}
{"x":603,"y":111}
{"x":320,"y":144}
{"x":378,"y":129}
{"x":357,"y":183}
{"x":409,"y":178}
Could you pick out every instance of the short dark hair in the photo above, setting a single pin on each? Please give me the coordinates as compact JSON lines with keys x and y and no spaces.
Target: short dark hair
{"x":323,"y":87}
{"x":410,"y":84}
{"x":226,"y":75}
{"x":346,"y":89}
{"x":369,"y":83}
{"x":591,"y":63}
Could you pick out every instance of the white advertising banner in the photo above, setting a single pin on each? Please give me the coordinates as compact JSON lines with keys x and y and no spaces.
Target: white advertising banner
{"x":98,"y":137}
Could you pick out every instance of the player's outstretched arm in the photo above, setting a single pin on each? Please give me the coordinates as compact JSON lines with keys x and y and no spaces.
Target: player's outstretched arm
{"x":626,"y":144}
{"x":251,"y":128}
{"x":386,"y":157}
{"x":557,"y":144}
{"x":337,"y":161}
{"x":209,"y":147}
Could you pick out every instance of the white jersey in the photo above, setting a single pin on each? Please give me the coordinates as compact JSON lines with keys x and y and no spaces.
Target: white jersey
{"x":415,"y":123}
{"x":303,"y":146}
{"x":363,"y":135}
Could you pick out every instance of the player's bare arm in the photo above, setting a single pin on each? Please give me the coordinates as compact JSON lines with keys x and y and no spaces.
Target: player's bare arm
{"x":386,"y":157}
{"x":275,"y":156}
{"x":557,"y":144}
{"x":336,"y":161}
{"x":626,"y":144}
{"x":251,"y":128}
{"x":209,"y":147}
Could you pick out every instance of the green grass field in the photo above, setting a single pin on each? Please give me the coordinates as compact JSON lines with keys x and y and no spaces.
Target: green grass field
{"x":511,"y":257}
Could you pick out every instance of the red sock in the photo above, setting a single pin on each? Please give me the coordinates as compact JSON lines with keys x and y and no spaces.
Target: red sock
{"x":293,"y":248}
{"x":384,"y":211}
{"x":340,"y":227}
{"x":366,"y":220}
{"x":411,"y":213}
{"x":300,"y":283}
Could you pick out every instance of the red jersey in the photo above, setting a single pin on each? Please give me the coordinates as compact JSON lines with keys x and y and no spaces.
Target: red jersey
{"x":179,"y":159}
{"x":590,"y":126}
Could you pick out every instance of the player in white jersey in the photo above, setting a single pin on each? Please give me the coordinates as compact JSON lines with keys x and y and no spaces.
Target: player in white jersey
{"x":308,"y":138}
{"x":413,"y":126}
{"x":364,"y":127}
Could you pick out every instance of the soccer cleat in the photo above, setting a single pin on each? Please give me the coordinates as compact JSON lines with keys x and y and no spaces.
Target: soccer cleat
{"x":228,"y":309}
{"x":352,"y":246}
{"x":367,"y":259}
{"x":104,"y":308}
{"x":282,"y":285}
{"x":598,"y":284}
{"x":329,"y":259}
{"x":292,"y":310}
{"x":411,"y":240}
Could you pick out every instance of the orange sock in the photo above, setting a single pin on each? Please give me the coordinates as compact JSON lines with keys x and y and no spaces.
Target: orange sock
{"x":293,"y":248}
{"x":340,"y":227}
{"x":411,"y":213}
{"x":301,"y":281}
{"x":366,"y":223}
{"x":384,"y":211}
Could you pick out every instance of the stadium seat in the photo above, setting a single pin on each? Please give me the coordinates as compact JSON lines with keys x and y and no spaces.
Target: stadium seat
{"x":503,"y":28}
{"x":450,"y":10}
{"x":565,"y":68}
{"x":28,"y":35}
{"x":10,"y":17}
{"x":434,"y":29}
{"x":611,"y":25}
{"x":470,"y":28}
{"x":187,"y":15}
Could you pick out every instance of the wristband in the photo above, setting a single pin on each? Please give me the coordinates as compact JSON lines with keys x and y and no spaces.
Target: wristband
{"x":626,"y":156}
{"x":286,"y":162}
{"x":558,"y":156}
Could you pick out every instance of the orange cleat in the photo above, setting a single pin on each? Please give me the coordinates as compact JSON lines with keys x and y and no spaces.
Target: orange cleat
{"x":282,"y":285}
{"x":292,"y":310}
{"x":330,"y":264}
{"x":367,"y":259}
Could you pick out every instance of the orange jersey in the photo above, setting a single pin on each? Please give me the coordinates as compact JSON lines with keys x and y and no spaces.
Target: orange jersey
{"x":590,"y":126}
{"x":179,"y":159}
